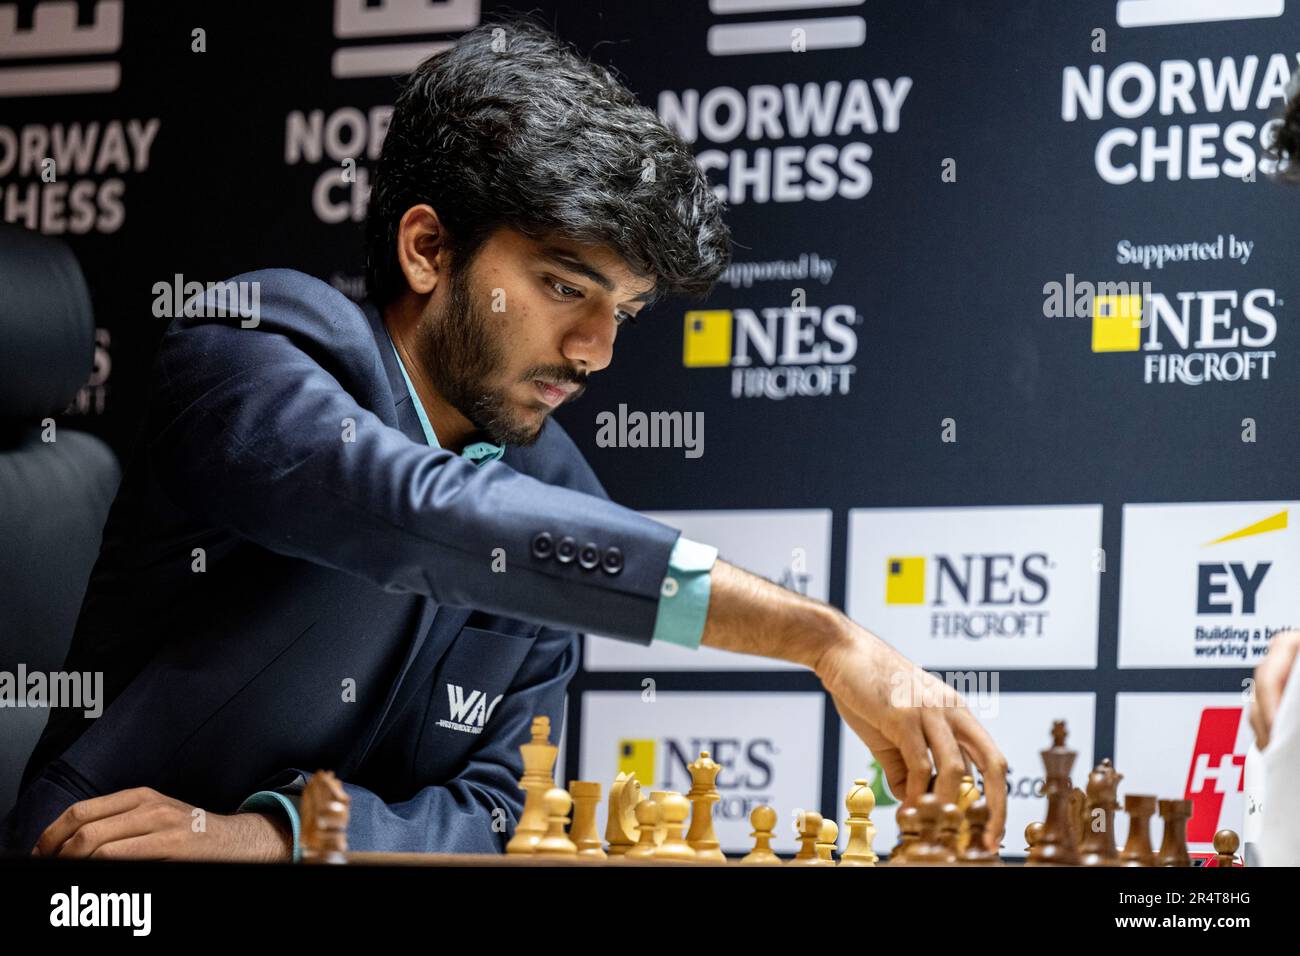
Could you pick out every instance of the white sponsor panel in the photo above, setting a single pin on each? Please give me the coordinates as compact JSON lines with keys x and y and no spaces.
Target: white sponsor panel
{"x":984,"y":587}
{"x":1022,"y":727}
{"x":1206,"y":585}
{"x":768,"y":744}
{"x":791,"y":548}
{"x":1184,"y":747}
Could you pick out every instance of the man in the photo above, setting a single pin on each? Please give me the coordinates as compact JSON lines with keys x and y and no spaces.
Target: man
{"x":340,"y":524}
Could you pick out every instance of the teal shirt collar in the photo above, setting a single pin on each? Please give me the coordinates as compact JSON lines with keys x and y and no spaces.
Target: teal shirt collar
{"x":478,"y":452}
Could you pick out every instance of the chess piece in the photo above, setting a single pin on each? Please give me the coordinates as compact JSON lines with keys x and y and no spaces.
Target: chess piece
{"x":586,"y":796}
{"x":1057,"y":844}
{"x":621,"y":831}
{"x":909,"y":831}
{"x":763,"y":820}
{"x":1225,"y":846}
{"x":1078,"y":804}
{"x":1137,"y":848}
{"x":1173,"y":848}
{"x":929,"y":848}
{"x":967,"y":794}
{"x":656,"y":796}
{"x":647,"y":821}
{"x":810,"y":828}
{"x":950,"y":821}
{"x":1098,"y":845}
{"x":1033,"y":833}
{"x":703,"y":795}
{"x":324,"y":812}
{"x":674,"y":809}
{"x":975,"y":852}
{"x":556,"y":842}
{"x":860,"y":802}
{"x":539,"y":763}
{"x":825,"y":845}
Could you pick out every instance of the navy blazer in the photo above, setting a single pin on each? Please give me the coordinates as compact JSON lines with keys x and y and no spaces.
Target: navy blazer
{"x":291,"y":578}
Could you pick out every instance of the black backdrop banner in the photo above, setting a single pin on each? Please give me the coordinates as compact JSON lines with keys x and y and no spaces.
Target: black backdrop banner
{"x":1005,"y":365}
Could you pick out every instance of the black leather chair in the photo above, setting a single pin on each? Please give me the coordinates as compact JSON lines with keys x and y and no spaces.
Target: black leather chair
{"x":54,"y":495}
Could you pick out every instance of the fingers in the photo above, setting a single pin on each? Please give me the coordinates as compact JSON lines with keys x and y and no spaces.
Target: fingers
{"x":106,"y":836}
{"x":949,"y":763}
{"x":993,"y":767}
{"x":1270,"y":680}
{"x":84,"y":812}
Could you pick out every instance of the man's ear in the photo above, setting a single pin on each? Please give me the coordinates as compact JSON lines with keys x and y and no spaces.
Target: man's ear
{"x":421,"y":248}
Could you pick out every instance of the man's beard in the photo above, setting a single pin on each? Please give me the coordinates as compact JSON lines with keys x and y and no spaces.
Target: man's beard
{"x":462,"y":352}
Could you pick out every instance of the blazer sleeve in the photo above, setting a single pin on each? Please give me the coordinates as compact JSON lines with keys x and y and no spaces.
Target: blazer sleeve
{"x":250,"y":431}
{"x":476,"y":811}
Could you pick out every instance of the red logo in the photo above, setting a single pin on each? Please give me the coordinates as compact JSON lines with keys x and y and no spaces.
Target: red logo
{"x":1215,"y":770}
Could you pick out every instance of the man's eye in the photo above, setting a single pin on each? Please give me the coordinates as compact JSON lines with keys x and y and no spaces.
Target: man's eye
{"x":566,"y":291}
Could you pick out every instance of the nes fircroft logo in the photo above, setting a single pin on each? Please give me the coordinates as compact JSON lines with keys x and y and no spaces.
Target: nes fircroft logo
{"x":1191,"y":337}
{"x":469,"y":714}
{"x":776,"y":352}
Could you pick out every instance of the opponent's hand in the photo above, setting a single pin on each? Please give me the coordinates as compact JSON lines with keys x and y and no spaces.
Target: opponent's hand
{"x":143,"y":824}
{"x":1270,"y":680}
{"x":905,"y":715}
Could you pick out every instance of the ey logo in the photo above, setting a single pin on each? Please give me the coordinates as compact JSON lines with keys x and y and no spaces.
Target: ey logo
{"x":638,"y":757}
{"x":1215,"y":578}
{"x":1116,"y":323}
{"x":706,"y":339}
{"x":905,"y":581}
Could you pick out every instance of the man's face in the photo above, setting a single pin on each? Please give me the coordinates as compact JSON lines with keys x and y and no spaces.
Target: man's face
{"x":515,"y":334}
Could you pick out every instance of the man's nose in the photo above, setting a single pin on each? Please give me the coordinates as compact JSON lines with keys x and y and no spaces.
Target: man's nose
{"x":590,"y":344}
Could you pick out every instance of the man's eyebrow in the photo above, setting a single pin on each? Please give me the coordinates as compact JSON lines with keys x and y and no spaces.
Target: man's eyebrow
{"x":568,"y":260}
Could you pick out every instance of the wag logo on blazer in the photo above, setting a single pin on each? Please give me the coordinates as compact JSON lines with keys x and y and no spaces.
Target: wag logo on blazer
{"x":468,"y":714}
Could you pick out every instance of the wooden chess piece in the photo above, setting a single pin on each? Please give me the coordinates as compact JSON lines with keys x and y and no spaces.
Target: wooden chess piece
{"x":556,"y":843}
{"x":825,"y":845}
{"x":1098,"y":845}
{"x":621,"y":830}
{"x":539,"y":764}
{"x":976,"y":852}
{"x":324,"y":811}
{"x":1173,"y":848}
{"x":860,"y":802}
{"x":656,"y":796}
{"x":1033,"y":833}
{"x":675,"y":809}
{"x":810,"y":828}
{"x":647,"y":820}
{"x":1137,"y":848}
{"x":967,"y":794}
{"x":909,"y":832}
{"x":763,"y":820}
{"x":586,"y":797}
{"x":1057,"y":845}
{"x":950,"y":821}
{"x":1078,"y":811}
{"x":929,"y":849}
{"x":703,"y":795}
{"x":1225,"y":847}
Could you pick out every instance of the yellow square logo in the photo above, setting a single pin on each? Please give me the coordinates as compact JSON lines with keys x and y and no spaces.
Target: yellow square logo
{"x":638,"y":757}
{"x":905,"y":581}
{"x":1116,"y":323}
{"x":706,"y":338}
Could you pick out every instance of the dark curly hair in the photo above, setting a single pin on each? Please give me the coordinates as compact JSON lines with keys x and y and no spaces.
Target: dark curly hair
{"x":1284,"y":145}
{"x":512,"y":127}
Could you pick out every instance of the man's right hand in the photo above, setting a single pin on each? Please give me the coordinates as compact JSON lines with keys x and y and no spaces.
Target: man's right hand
{"x":914,"y":724}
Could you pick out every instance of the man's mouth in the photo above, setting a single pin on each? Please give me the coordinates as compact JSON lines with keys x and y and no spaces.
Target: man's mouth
{"x":553,"y":394}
